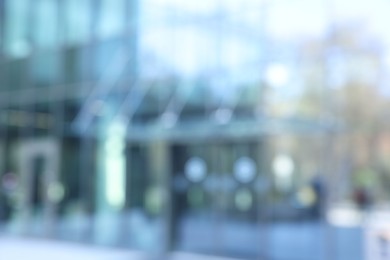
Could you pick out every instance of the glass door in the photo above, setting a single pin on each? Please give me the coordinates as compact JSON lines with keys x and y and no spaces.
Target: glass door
{"x":239,"y":202}
{"x":194,"y":186}
{"x":215,"y":202}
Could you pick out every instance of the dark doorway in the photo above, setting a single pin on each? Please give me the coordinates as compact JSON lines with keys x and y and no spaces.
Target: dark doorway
{"x":37,"y":187}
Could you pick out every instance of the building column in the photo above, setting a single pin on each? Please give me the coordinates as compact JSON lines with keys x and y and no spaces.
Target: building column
{"x":160,"y":167}
{"x":110,"y":181}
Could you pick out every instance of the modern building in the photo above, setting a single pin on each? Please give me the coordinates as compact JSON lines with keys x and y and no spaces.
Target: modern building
{"x":169,"y":126}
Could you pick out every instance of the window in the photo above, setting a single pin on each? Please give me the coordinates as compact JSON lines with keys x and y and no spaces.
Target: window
{"x":15,"y":74}
{"x":76,"y":64}
{"x":110,"y":61}
{"x":45,"y":24}
{"x":111,"y":18}
{"x":78,"y":21}
{"x":2,"y":76}
{"x":16,"y":28}
{"x":45,"y":69}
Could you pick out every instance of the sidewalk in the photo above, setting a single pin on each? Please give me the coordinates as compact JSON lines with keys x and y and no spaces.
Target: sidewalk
{"x":30,"y":249}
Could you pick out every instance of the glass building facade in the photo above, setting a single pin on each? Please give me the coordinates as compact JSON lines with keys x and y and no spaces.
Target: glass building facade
{"x":252,"y":129}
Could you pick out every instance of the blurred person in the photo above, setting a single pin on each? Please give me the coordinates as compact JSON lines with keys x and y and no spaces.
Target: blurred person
{"x":318,"y":186}
{"x":365,"y":184}
{"x":362,"y":198}
{"x":310,"y":198}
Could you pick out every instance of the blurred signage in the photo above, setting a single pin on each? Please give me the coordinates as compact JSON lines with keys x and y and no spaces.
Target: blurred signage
{"x":377,"y":236}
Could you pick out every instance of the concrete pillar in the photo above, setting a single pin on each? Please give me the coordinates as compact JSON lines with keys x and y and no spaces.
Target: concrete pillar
{"x":160,"y":165}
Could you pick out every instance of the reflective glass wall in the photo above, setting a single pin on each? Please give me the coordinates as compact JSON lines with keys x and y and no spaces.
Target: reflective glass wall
{"x":249,"y":129}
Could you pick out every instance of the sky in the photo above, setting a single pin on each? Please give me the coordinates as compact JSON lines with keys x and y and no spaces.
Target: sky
{"x":224,"y":37}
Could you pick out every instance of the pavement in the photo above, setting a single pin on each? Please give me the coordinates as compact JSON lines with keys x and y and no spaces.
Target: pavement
{"x":304,"y":240}
{"x":285,"y":243}
{"x":14,"y":248}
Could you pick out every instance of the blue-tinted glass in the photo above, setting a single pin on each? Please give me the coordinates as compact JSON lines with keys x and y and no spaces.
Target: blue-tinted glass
{"x":16,"y":28}
{"x":15,"y":74}
{"x":45,"y":24}
{"x":110,"y":59}
{"x":111,"y":18}
{"x":77,"y":21}
{"x":75,"y":64}
{"x":3,"y":84}
{"x":45,"y":69}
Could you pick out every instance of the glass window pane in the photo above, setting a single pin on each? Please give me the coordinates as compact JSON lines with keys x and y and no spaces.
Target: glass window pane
{"x":78,"y":21}
{"x":45,"y":69}
{"x":3,"y":86}
{"x":15,"y":74}
{"x":45,"y":33}
{"x":16,"y":28}
{"x":75,"y":64}
{"x":112,"y":18}
{"x":107,"y":58}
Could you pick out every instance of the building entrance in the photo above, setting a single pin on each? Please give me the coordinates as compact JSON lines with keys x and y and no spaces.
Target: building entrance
{"x":217,"y":197}
{"x":39,"y":173}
